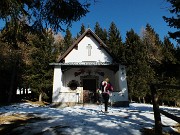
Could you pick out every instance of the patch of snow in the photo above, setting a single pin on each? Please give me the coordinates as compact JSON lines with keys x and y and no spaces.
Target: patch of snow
{"x":88,"y":119}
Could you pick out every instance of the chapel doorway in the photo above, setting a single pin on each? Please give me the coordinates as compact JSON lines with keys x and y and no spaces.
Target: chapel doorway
{"x":89,"y":90}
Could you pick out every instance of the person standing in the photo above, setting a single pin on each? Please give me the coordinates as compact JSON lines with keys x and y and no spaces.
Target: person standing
{"x":106,"y":88}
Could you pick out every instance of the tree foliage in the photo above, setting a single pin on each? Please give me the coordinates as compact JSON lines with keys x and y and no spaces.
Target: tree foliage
{"x":168,"y":51}
{"x":115,"y":42}
{"x":68,"y":40}
{"x":83,"y":29}
{"x":22,"y":17}
{"x":38,"y":74}
{"x":11,"y":68}
{"x":139,"y":71}
{"x":34,"y":17}
{"x":174,"y":21}
{"x":101,"y":33}
{"x":153,"y":44}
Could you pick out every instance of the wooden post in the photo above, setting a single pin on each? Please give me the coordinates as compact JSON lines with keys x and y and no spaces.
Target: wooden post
{"x":173,"y":117}
{"x":157,"y":117}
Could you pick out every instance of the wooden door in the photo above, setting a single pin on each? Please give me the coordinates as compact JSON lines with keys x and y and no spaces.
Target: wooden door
{"x":89,"y":90}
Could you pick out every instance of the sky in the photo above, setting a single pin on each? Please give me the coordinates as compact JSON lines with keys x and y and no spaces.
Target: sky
{"x":126,"y":14}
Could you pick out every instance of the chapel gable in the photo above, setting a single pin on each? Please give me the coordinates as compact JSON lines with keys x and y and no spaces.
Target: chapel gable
{"x":87,"y":48}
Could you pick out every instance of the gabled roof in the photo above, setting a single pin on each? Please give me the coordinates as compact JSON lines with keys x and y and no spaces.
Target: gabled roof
{"x":75,"y":44}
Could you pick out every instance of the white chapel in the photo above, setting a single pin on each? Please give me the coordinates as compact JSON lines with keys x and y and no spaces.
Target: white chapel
{"x":80,"y":70}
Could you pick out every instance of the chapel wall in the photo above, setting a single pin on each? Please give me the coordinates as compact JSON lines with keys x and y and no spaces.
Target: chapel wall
{"x":81,"y":54}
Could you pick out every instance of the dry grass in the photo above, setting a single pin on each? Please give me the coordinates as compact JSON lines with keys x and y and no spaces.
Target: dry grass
{"x":15,"y":117}
{"x":11,"y":122}
{"x":178,"y":128}
{"x":42,"y":103}
{"x":11,"y":118}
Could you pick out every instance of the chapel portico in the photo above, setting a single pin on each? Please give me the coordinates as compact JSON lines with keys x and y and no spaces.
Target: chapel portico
{"x":84,"y":65}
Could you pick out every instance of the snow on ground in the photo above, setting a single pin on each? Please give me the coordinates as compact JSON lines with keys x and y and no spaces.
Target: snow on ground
{"x":88,"y":119}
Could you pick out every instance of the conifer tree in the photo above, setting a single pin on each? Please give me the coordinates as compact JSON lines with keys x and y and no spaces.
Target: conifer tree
{"x":153,"y":45}
{"x":169,"y":72}
{"x":161,"y":57}
{"x":101,"y":33}
{"x":38,"y":73}
{"x":83,"y":29}
{"x":23,"y":17}
{"x":114,"y":38}
{"x":139,"y":72}
{"x":97,"y":29}
{"x":10,"y":64}
{"x":174,"y":20}
{"x":168,"y":52}
{"x":104,"y":36}
{"x":177,"y":54}
{"x":58,"y":47}
{"x":68,"y":40}
{"x":115,"y":42}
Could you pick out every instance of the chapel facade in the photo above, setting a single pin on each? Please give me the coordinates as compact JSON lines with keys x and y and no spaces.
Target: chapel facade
{"x":79,"y":71}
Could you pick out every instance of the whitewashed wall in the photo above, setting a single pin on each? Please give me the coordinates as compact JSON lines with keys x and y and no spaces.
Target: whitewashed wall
{"x":116,"y":76}
{"x":121,"y":92}
{"x":123,"y":82}
{"x":81,"y":54}
{"x":57,"y":83}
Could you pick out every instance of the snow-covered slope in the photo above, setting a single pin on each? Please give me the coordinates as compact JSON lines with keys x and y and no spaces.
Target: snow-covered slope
{"x":88,"y":119}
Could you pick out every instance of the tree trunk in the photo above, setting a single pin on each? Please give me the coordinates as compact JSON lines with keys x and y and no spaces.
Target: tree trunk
{"x":139,"y":99}
{"x":162,"y":103}
{"x":173,"y":117}
{"x":12,"y":83}
{"x":40,"y":97}
{"x":144,"y":100}
{"x":130,"y":98}
{"x":168,"y":103}
{"x":175,"y":103}
{"x":178,"y":103}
